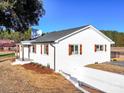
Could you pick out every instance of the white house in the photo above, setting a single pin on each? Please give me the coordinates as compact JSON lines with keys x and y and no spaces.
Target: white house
{"x":66,"y":49}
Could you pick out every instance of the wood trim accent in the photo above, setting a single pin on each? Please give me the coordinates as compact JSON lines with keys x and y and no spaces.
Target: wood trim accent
{"x":95,"y":48}
{"x":105,"y":48}
{"x":80,"y":49}
{"x":34,"y":48}
{"x":69,"y":50}
{"x":47,"y":49}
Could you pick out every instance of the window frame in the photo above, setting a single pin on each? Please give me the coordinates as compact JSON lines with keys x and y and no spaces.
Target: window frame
{"x":75,"y":49}
{"x":46,"y":49}
{"x":33,"y":48}
{"x":100,"y":47}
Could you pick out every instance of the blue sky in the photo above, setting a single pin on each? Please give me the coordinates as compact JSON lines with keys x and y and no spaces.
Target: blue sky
{"x":62,"y":14}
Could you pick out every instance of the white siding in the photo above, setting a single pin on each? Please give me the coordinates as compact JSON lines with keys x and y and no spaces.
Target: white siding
{"x":88,"y":39}
{"x":20,"y":48}
{"x":25,"y":52}
{"x":43,"y":58}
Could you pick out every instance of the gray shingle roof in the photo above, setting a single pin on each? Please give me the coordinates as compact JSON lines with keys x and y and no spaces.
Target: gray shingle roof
{"x":53,"y":36}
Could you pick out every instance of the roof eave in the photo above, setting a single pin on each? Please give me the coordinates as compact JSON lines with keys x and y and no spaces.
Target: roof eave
{"x":104,"y":36}
{"x":43,"y":42}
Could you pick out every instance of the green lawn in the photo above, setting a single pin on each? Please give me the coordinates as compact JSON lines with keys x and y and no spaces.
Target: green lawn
{"x":8,"y":55}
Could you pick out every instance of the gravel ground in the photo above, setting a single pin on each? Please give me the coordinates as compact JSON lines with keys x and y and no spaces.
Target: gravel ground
{"x":118,"y":63}
{"x":16,"y":79}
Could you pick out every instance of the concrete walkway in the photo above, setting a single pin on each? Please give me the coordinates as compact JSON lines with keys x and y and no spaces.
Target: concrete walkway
{"x":105,"y":81}
{"x":20,"y":62}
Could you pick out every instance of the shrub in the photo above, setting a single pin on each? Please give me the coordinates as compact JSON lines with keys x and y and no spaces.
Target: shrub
{"x":96,"y":63}
{"x":114,"y":59}
{"x":48,"y":65}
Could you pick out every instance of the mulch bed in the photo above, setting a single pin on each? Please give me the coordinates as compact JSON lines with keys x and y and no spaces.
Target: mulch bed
{"x":38,"y":68}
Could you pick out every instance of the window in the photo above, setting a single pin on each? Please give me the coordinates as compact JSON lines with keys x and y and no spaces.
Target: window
{"x":34,"y":48}
{"x":75,"y":49}
{"x":100,"y":48}
{"x":46,"y":49}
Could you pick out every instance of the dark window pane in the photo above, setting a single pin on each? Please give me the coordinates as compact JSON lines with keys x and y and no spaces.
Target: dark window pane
{"x":76,"y":49}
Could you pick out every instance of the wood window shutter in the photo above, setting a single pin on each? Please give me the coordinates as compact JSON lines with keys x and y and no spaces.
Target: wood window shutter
{"x":41,"y":49}
{"x":47,"y":50}
{"x":105,"y":47}
{"x":80,"y":49}
{"x":35,"y":48}
{"x":95,"y":48}
{"x":69,"y":50}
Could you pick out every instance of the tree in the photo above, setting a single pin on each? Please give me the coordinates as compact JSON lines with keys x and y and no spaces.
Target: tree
{"x":117,"y":37}
{"x":19,"y":15}
{"x":12,"y":35}
{"x":27,"y":34}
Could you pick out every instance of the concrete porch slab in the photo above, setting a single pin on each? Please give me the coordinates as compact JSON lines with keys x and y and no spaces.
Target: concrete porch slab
{"x":20,"y":62}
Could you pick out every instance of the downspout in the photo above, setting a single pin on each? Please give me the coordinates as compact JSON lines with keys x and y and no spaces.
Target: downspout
{"x":54,"y":56}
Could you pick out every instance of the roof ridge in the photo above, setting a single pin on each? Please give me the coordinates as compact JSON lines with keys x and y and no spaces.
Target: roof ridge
{"x":69,"y":28}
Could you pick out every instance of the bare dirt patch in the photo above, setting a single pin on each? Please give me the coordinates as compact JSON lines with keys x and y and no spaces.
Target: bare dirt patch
{"x":38,"y":68}
{"x":108,"y":67}
{"x":17,"y":79}
{"x":2,"y":59}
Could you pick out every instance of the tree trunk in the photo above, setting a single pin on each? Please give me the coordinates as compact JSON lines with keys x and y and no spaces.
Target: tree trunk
{"x":21,"y":39}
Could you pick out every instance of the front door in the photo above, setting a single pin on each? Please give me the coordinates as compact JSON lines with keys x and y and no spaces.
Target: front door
{"x":26,"y":52}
